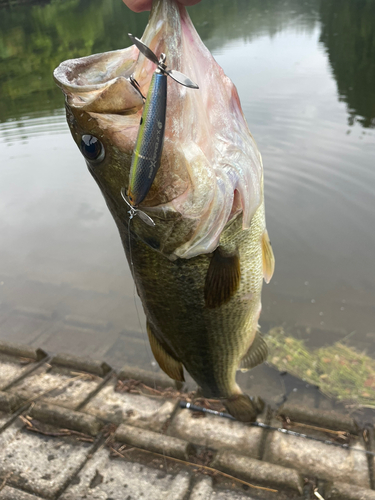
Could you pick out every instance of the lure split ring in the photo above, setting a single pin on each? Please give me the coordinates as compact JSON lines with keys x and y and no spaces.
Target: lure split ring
{"x":135,"y":211}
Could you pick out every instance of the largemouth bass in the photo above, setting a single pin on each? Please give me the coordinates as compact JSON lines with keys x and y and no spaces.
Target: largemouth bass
{"x":199,"y":269}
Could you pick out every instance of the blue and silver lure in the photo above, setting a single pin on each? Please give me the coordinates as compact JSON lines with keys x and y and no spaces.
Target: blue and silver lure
{"x":149,"y":144}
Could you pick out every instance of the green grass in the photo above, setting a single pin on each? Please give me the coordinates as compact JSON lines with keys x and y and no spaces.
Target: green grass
{"x":339,"y":370}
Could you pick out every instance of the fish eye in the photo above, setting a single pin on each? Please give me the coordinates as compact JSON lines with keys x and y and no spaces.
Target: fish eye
{"x":92,"y":149}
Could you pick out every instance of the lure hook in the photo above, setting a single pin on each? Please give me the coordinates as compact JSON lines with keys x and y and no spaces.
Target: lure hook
{"x":135,"y":211}
{"x":136,"y":85}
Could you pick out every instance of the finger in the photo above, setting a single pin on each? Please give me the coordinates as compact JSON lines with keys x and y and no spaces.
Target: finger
{"x":138,"y":5}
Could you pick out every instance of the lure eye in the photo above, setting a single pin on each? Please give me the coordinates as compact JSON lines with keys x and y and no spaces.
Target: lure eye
{"x":92,"y":149}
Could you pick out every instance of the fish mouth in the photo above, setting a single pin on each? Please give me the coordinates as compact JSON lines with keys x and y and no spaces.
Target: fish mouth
{"x":115,"y":82}
{"x":101,"y":83}
{"x":210,"y":169}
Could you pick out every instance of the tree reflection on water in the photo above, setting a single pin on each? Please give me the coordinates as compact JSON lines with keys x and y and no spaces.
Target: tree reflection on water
{"x":34,"y":39}
{"x":348,"y":33}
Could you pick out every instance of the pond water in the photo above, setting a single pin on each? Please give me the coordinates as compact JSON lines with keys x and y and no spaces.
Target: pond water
{"x":305,"y":72}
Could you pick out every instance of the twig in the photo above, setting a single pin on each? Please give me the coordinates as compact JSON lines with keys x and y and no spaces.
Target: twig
{"x":113,"y":450}
{"x":44,"y":433}
{"x":7,"y":476}
{"x":159,"y":393}
{"x":76,"y":433}
{"x":25,"y":421}
{"x":215,"y":471}
{"x":342,"y":434}
{"x":318,"y":495}
{"x":117,"y":452}
{"x":87,"y":376}
{"x":62,"y":432}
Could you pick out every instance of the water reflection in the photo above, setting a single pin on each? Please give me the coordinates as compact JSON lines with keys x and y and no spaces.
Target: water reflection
{"x":348,"y":33}
{"x":34,"y":39}
{"x":59,"y":249}
{"x":223,"y":21}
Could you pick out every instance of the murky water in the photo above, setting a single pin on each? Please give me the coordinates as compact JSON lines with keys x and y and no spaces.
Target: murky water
{"x":305,"y":72}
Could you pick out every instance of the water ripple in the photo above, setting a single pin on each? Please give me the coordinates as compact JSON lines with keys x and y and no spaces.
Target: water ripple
{"x":33,"y":126}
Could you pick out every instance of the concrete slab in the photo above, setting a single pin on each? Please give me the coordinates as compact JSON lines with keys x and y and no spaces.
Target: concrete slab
{"x":49,"y":465}
{"x":318,"y":417}
{"x":217,"y":433}
{"x":79,"y":363}
{"x":4,"y":418}
{"x":103,"y":478}
{"x":63,"y":337}
{"x":153,"y":441}
{"x":61,"y":386}
{"x":133,"y":409}
{"x":9,"y":402}
{"x":252,"y":470}
{"x":317,"y":459}
{"x":229,"y":495}
{"x":345,"y":491}
{"x":66,"y":418}
{"x":155,"y":378}
{"x":39,"y":464}
{"x":12,"y":367}
{"x":128,"y":346}
{"x":9,"y":493}
{"x":202,"y":490}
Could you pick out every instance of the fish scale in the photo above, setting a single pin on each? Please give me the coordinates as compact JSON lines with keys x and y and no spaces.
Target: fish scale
{"x":192,"y":327}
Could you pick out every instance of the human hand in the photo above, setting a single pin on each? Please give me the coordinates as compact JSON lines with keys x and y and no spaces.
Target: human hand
{"x":141,"y":5}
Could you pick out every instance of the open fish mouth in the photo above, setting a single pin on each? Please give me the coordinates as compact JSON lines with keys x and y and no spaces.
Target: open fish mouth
{"x":211,"y":170}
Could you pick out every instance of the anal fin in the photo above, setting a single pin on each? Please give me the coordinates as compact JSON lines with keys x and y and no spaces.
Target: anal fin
{"x":257,"y":353}
{"x":223,"y":278}
{"x":268,"y":257}
{"x":167,"y":363}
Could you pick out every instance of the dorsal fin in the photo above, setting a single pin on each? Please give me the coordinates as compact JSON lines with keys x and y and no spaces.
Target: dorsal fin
{"x":223,"y":278}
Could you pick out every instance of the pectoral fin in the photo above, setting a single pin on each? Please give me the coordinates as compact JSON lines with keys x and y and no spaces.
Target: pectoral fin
{"x":167,"y":363}
{"x":268,"y":257}
{"x":256,"y":354}
{"x":222,"y":280}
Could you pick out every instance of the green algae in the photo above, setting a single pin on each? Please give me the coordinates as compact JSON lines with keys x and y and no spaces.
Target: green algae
{"x":339,"y":370}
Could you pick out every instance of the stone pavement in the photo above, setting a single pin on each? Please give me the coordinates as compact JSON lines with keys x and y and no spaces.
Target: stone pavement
{"x":72,"y":428}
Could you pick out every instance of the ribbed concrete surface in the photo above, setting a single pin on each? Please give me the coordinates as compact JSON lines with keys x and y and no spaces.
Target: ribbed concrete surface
{"x":71,"y":428}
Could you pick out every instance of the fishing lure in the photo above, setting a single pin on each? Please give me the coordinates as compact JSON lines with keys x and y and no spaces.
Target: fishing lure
{"x":149,"y":145}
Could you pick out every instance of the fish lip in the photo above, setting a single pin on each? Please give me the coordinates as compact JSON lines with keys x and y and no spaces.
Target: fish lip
{"x":78,"y":69}
{"x":101,"y":82}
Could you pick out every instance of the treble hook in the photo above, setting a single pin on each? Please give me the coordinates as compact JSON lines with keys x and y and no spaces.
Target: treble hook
{"x":135,"y":211}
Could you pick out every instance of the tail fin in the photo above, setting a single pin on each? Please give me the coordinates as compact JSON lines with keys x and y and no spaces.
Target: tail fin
{"x":242,"y":408}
